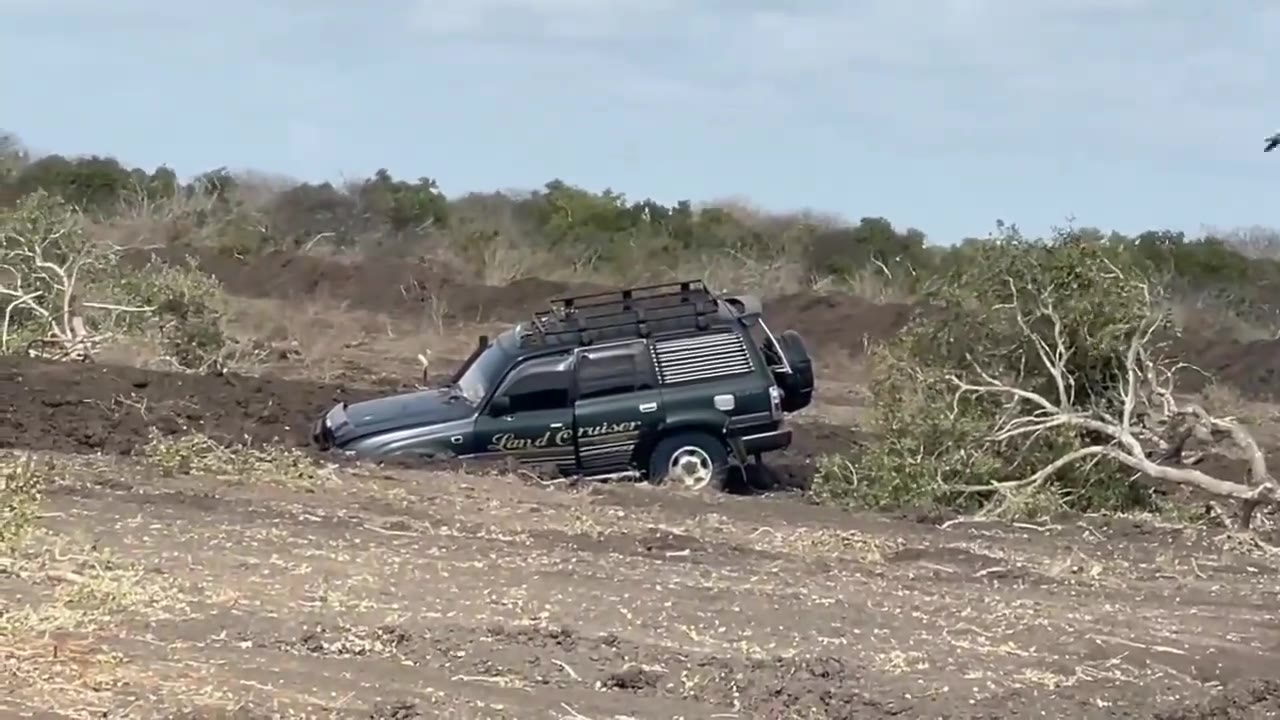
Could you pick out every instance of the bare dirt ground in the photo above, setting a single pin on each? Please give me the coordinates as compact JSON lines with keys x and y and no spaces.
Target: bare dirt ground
{"x":367,"y":592}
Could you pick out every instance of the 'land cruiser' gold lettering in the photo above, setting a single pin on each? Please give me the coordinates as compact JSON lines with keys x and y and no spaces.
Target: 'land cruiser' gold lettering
{"x":510,"y":442}
{"x":608,"y":429}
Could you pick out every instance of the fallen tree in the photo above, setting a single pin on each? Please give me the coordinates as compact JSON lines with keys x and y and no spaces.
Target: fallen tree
{"x":1034,"y":383}
{"x":1149,"y":436}
{"x":45,"y":260}
{"x":65,"y":294}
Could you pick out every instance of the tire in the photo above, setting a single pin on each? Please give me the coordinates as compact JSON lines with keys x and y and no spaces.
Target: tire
{"x":708,"y":451}
{"x":797,"y":386}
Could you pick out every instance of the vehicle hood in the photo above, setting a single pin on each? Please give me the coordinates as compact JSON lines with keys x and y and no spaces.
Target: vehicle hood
{"x":393,"y":412}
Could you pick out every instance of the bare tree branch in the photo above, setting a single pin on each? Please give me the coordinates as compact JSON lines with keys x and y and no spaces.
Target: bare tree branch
{"x":1145,"y":392}
{"x":42,"y":260}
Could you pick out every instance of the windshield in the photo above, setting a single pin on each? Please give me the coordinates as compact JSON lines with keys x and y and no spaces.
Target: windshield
{"x":483,"y":372}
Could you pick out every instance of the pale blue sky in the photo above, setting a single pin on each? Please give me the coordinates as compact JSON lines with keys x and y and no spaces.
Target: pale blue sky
{"x":943,"y":114}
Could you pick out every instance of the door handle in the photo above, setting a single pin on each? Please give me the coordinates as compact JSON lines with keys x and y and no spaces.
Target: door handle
{"x":557,"y":425}
{"x":648,"y":407}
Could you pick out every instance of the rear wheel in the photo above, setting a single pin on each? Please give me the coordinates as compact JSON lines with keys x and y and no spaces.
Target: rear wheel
{"x":693,"y":460}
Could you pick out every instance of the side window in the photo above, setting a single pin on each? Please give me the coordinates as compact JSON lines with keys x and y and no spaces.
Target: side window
{"x":614,"y":371}
{"x":541,"y":384}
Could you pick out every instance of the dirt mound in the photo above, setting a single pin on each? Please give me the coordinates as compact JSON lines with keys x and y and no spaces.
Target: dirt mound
{"x":91,"y":408}
{"x":1252,"y":368}
{"x":414,"y":285}
{"x":839,"y":321}
{"x":401,"y":286}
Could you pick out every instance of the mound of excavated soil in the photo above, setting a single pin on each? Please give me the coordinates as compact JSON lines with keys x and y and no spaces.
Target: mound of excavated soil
{"x":89,"y":408}
{"x":412,"y":286}
{"x":408,"y":286}
{"x":843,"y":322}
{"x":1252,"y":368}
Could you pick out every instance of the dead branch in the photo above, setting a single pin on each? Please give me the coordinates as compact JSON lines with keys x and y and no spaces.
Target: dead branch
{"x":1146,"y":398}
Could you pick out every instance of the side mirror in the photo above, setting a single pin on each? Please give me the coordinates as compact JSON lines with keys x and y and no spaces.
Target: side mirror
{"x":499,"y":406}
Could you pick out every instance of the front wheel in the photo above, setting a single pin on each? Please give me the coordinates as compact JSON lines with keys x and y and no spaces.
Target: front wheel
{"x":693,"y":460}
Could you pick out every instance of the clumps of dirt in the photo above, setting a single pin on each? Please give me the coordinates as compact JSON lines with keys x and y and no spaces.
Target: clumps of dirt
{"x":791,"y":687}
{"x":792,"y":469}
{"x":334,"y":641}
{"x":89,"y":408}
{"x":395,"y":710}
{"x":632,"y":677}
{"x":1244,"y":700}
{"x":559,"y":656}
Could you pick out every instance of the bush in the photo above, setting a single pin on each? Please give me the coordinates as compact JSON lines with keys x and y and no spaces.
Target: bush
{"x":21,"y":486}
{"x":988,"y":319}
{"x":69,"y":293}
{"x":49,"y":271}
{"x":187,"y":316}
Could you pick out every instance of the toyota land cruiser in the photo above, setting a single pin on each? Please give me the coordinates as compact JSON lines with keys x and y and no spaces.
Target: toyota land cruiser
{"x":671,"y":382}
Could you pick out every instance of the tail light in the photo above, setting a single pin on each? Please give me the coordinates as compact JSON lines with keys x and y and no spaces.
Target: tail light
{"x":775,"y":402}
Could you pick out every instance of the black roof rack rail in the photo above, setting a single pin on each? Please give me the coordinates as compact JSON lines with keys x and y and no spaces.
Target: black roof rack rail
{"x":632,"y":312}
{"x":628,"y":298}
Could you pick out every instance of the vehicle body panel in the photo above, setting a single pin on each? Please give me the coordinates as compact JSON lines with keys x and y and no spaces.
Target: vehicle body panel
{"x":609,"y":430}
{"x":536,"y":437}
{"x":442,"y":440}
{"x":617,"y":406}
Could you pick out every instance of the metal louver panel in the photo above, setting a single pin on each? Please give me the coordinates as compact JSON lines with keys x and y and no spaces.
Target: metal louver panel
{"x":700,"y":358}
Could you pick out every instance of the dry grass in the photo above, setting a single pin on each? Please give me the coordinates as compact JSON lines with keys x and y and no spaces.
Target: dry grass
{"x":198,"y":454}
{"x":323,"y":339}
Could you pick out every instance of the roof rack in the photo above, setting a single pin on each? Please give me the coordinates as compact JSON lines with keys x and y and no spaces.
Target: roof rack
{"x":633,"y":312}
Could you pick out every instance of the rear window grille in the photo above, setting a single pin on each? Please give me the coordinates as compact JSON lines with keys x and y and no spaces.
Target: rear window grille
{"x":701,"y":358}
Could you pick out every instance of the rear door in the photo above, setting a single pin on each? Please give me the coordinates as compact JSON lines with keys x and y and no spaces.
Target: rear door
{"x":617,"y":405}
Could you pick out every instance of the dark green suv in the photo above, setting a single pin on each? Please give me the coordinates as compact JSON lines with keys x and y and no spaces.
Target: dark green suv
{"x":668,"y":381}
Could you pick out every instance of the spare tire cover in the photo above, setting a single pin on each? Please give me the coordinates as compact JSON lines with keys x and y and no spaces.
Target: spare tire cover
{"x":798,"y":385}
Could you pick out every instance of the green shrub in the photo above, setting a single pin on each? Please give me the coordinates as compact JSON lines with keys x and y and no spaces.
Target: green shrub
{"x":990,"y":319}
{"x":60,"y":273}
{"x":187,"y":316}
{"x":22,"y":482}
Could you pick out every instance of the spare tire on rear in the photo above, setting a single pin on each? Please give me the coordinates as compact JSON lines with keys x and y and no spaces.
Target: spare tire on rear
{"x":796,"y":386}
